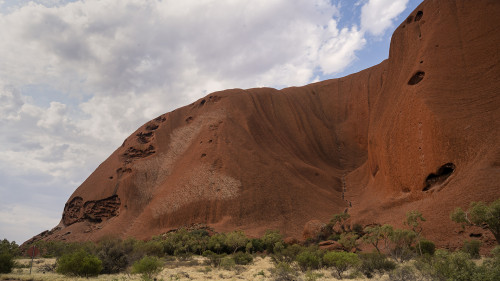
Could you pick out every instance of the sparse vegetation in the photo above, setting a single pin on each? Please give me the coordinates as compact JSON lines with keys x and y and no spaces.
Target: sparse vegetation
{"x":147,"y":266}
{"x":79,"y":263}
{"x":480,"y":214}
{"x":341,"y":261}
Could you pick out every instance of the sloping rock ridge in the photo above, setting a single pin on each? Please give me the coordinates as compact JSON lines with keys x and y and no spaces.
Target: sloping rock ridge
{"x":419,"y":131}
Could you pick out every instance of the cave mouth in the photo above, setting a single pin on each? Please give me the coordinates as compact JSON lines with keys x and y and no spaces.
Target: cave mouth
{"x":440,"y":176}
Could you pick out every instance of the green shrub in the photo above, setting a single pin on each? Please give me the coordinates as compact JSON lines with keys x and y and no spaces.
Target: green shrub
{"x":115,"y":254}
{"x":283,"y":271}
{"x":9,"y":247}
{"x":358,"y":229}
{"x":242,"y":258}
{"x":270,"y":238}
{"x":213,"y":258}
{"x":147,"y":266}
{"x":375,"y":262}
{"x":403,"y":273}
{"x":348,"y":240}
{"x":309,"y":259}
{"x":288,"y":254}
{"x":490,"y":269}
{"x":427,"y":247}
{"x":79,"y":263}
{"x":480,"y":214}
{"x":341,"y":261}
{"x":453,"y":266}
{"x":227,"y":262}
{"x":472,"y":248}
{"x":401,"y":244}
{"x":6,"y":262}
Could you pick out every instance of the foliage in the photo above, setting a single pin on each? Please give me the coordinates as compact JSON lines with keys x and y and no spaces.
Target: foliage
{"x":403,"y":273}
{"x":213,"y":258}
{"x":472,"y":248}
{"x":452,"y":266}
{"x":426,"y":247}
{"x":283,"y":271}
{"x":227,"y":262}
{"x":242,"y":258}
{"x":376,"y":234}
{"x":340,"y":220}
{"x":9,"y":247}
{"x":348,"y":240}
{"x":413,"y":219}
{"x":6,"y":262}
{"x":115,"y":254}
{"x":270,"y":238}
{"x":236,"y":240}
{"x":79,"y":263}
{"x":148,"y":266}
{"x":309,"y":258}
{"x":402,"y":241}
{"x":50,"y":249}
{"x":341,"y":261}
{"x":184,"y":242}
{"x":375,"y":262}
{"x":288,"y":254}
{"x":480,"y":214}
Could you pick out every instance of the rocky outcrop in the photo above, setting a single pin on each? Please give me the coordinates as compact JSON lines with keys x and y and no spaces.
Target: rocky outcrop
{"x":419,"y":131}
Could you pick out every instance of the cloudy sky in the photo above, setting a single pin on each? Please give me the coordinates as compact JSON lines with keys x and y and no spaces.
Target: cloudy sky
{"x":78,"y":77}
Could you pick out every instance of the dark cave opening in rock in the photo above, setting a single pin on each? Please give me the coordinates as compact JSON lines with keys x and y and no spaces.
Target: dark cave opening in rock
{"x":440,"y":176}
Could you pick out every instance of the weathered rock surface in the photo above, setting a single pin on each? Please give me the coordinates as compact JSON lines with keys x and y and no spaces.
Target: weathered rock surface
{"x":419,"y":131}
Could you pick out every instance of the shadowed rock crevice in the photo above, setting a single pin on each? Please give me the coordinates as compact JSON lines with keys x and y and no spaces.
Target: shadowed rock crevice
{"x":416,"y":78}
{"x":135,"y":153}
{"x":92,"y":210}
{"x":419,"y":15}
{"x":440,"y":176}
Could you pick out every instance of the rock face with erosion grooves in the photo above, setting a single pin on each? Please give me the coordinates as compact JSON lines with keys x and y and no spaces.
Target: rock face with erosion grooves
{"x":419,"y":131}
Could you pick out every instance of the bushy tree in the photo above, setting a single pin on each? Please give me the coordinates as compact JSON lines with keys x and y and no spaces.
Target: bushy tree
{"x":79,"y":263}
{"x":270,"y":238}
{"x":401,"y":244}
{"x":414,"y":220}
{"x":472,"y":248}
{"x":147,"y":266}
{"x":426,"y":247}
{"x":341,"y":261}
{"x":236,"y":240}
{"x":375,"y":262}
{"x":6,"y":262}
{"x":453,"y":266}
{"x":115,"y":254}
{"x":348,"y":240}
{"x":242,"y":258}
{"x":310,"y":258}
{"x":480,"y":214}
{"x":376,"y":234}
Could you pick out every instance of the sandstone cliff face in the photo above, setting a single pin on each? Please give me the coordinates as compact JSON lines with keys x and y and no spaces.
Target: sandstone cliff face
{"x":419,"y":131}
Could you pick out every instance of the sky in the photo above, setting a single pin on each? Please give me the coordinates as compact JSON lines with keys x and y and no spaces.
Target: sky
{"x":78,"y":77}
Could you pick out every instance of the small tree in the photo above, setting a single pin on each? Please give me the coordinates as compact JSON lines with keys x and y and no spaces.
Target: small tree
{"x":147,"y":266}
{"x":412,"y":220}
{"x":236,"y":240}
{"x":348,"y":240}
{"x":377,"y":233}
{"x":341,"y":261}
{"x":270,"y":238}
{"x":402,"y":241}
{"x":480,"y":214}
{"x":6,"y":262}
{"x":79,"y":263}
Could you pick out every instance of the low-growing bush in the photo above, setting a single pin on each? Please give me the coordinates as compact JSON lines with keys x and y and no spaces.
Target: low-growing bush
{"x":283,"y":271}
{"x":147,"y":266}
{"x":341,"y":261}
{"x":403,"y":273}
{"x":288,"y":254}
{"x":227,"y":262}
{"x":472,"y":248}
{"x":375,"y":262}
{"x":242,"y":258}
{"x":6,"y":262}
{"x":309,"y":259}
{"x":427,"y":247}
{"x":213,"y":258}
{"x":452,"y":266}
{"x":79,"y":263}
